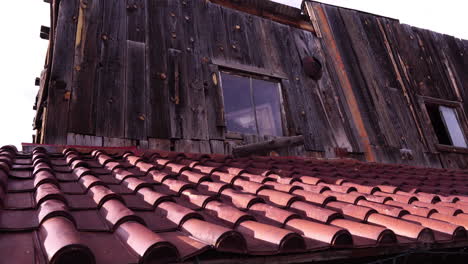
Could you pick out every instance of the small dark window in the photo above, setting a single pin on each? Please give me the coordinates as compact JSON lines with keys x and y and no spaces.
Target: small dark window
{"x":252,"y":105}
{"x":446,"y":125}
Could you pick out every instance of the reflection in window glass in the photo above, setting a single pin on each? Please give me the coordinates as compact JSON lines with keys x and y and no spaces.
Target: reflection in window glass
{"x":251,"y":106}
{"x":450,"y":119}
{"x":267,"y":107}
{"x":238,"y":108}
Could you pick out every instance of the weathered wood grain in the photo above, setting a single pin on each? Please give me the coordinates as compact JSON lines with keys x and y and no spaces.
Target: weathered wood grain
{"x":61,"y":75}
{"x":82,"y":115}
{"x":110,"y":101}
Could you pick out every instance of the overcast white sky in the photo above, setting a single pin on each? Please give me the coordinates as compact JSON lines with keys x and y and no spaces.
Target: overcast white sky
{"x":22,"y":52}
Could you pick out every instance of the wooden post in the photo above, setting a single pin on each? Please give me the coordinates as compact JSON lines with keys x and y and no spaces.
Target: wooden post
{"x":276,"y":143}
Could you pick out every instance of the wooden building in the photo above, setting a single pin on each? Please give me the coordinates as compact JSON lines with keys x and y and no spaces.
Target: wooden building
{"x":208,"y":75}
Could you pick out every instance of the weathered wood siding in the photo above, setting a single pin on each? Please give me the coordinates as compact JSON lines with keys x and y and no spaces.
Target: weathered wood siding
{"x":146,"y":72}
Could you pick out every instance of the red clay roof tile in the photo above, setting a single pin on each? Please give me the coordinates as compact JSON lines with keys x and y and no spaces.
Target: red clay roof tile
{"x":169,"y":206}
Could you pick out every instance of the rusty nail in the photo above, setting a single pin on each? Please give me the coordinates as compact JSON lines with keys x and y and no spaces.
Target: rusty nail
{"x":237,"y":27}
{"x":67,"y":95}
{"x":77,"y":67}
{"x":187,"y":18}
{"x":234,"y":46}
{"x":162,"y":76}
{"x":141,"y":117}
{"x":172,"y":14}
{"x":104,"y":37}
{"x":174,"y":35}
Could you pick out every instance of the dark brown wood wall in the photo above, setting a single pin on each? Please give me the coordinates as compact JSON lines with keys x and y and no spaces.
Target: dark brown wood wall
{"x":144,"y":72}
{"x":393,"y":66}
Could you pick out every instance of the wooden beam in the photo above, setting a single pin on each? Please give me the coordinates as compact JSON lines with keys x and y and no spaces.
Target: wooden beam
{"x":276,"y":143}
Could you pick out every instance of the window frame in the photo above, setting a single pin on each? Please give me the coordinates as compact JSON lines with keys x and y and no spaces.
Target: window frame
{"x":259,"y":76}
{"x":462,"y":121}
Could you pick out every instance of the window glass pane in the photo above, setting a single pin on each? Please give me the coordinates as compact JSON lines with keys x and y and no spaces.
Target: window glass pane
{"x":438,"y":124}
{"x":453,"y":126}
{"x":267,"y":107}
{"x":238,"y":107}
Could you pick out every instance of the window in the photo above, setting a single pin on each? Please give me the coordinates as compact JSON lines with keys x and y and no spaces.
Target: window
{"x":446,"y":125}
{"x":252,"y":105}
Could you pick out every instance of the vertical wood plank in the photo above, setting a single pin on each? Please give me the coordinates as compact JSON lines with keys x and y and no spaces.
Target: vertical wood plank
{"x":135,"y":115}
{"x":87,"y":50}
{"x":61,"y":75}
{"x":110,"y":93}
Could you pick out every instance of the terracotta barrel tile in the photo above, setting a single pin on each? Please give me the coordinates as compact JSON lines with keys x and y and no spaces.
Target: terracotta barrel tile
{"x":44,"y":177}
{"x":459,"y":205}
{"x":379,"y":234}
{"x":176,"y":168}
{"x":146,"y":167}
{"x":283,"y":179}
{"x":151,"y":197}
{"x":48,"y":191}
{"x":427,"y":197}
{"x":116,"y":213}
{"x":122,"y":174}
{"x":387,"y":188}
{"x":90,"y":181}
{"x":310,"y":180}
{"x":376,"y":199}
{"x":415,"y":210}
{"x":249,"y":187}
{"x":232,"y":170}
{"x":42,"y":166}
{"x":278,"y":198}
{"x":113,"y":165}
{"x":325,"y":233}
{"x":362,"y":188}
{"x":402,"y":228}
{"x":451,"y":219}
{"x":315,"y":198}
{"x":178,"y":186}
{"x":159,"y":176}
{"x":231,"y":215}
{"x":223,"y":239}
{"x":351,"y":210}
{"x":78,"y":163}
{"x":255,"y":177}
{"x":134,"y":160}
{"x":212,"y":188}
{"x":352,"y":198}
{"x":224,"y":177}
{"x":286,"y":240}
{"x":398,"y":197}
{"x":62,"y":243}
{"x":196,"y":198}
{"x":455,"y":231}
{"x":311,"y":188}
{"x":188,"y":162}
{"x":440,"y":208}
{"x":384,"y":209}
{"x":193,"y":177}
{"x":82,"y":171}
{"x":282,"y":187}
{"x":176,"y":213}
{"x":315,"y":212}
{"x":151,"y":247}
{"x":102,"y":194}
{"x":104,"y":159}
{"x":188,"y":247}
{"x":135,"y":184}
{"x":240,"y":200}
{"x":271,"y":213}
{"x":71,"y":156}
{"x":53,"y":208}
{"x":161,"y":162}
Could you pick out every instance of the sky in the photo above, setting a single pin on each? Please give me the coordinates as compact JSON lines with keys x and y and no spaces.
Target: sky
{"x":22,"y":52}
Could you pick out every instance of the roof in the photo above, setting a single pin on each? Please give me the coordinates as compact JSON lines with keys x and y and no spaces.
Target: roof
{"x":121,"y":205}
